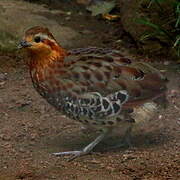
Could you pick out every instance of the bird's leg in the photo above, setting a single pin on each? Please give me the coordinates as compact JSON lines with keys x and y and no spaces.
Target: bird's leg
{"x":126,"y":139}
{"x":85,"y":150}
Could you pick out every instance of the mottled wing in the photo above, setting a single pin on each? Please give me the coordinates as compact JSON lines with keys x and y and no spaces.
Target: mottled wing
{"x":102,"y":85}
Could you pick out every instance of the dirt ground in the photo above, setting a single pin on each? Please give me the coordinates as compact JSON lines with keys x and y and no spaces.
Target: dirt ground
{"x":30,"y":129}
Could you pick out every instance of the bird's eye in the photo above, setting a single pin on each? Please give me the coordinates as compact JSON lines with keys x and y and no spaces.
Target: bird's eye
{"x":37,"y":39}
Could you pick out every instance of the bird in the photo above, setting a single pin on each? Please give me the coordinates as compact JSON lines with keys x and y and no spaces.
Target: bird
{"x":98,"y":87}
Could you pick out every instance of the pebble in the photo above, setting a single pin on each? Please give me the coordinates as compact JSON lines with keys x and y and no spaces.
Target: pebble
{"x":3,"y":76}
{"x":166,"y":63}
{"x":22,"y":150}
{"x":5,"y":137}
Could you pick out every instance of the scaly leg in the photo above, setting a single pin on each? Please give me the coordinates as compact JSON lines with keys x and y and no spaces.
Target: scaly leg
{"x":86,"y":150}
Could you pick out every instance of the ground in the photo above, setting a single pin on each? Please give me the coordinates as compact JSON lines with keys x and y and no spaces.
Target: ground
{"x":31,"y":130}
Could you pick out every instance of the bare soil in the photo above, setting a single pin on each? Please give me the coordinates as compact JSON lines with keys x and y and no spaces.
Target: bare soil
{"x":30,"y":129}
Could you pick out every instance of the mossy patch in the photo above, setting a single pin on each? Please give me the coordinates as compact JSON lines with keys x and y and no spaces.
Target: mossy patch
{"x":8,"y":42}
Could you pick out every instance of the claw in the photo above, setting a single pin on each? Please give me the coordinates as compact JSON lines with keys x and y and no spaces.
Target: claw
{"x":74,"y":154}
{"x":66,"y":153}
{"x":85,"y":151}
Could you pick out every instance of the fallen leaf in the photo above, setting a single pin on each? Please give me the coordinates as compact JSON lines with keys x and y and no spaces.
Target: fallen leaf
{"x":101,"y":7}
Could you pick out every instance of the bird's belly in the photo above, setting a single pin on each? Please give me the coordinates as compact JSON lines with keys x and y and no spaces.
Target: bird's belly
{"x":53,"y":99}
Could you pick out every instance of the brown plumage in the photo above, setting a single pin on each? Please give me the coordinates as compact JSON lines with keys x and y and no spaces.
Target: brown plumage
{"x":97,"y":86}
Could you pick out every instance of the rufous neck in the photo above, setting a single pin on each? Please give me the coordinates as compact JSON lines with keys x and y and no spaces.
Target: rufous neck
{"x":41,"y":60}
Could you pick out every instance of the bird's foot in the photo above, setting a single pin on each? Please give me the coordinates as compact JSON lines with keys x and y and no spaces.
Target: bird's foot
{"x":85,"y":151}
{"x":74,"y":154}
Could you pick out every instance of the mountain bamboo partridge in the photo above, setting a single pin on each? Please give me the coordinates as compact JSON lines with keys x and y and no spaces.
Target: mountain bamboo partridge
{"x":96,"y":86}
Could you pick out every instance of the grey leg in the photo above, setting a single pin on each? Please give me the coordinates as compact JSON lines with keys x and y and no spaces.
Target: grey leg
{"x":86,"y":150}
{"x":127,"y":137}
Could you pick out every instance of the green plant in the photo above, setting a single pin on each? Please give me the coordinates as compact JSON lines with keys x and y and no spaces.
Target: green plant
{"x":169,"y":28}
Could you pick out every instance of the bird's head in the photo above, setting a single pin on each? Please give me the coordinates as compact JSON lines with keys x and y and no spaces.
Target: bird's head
{"x":39,"y":42}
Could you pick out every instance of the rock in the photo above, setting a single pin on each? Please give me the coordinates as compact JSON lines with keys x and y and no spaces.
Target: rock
{"x":3,"y":76}
{"x":17,"y":16}
{"x":130,"y":10}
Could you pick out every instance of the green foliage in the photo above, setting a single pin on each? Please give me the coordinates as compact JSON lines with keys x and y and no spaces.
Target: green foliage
{"x":178,"y":14}
{"x":169,"y":30}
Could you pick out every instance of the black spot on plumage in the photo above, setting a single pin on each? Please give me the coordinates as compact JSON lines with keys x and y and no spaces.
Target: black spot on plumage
{"x":107,"y":74}
{"x":116,"y":76}
{"x":110,"y":122}
{"x":97,"y":64}
{"x":139,"y":75}
{"x":98,"y":109}
{"x":72,"y":108}
{"x":76,"y":117}
{"x":85,"y":111}
{"x":130,"y":110}
{"x":86,"y":75}
{"x":109,"y":59}
{"x":92,"y":101}
{"x":109,"y":68}
{"x":83,"y":58}
{"x":121,"y":96}
{"x":90,"y":114}
{"x":131,"y":120}
{"x":98,"y":76}
{"x":126,"y":60}
{"x":85,"y":67}
{"x":81,"y":101}
{"x":142,"y":73}
{"x":118,"y":119}
{"x":76,"y":110}
{"x":109,"y":112}
{"x":73,"y":99}
{"x":86,"y":101}
{"x":67,"y":105}
{"x":116,"y":107}
{"x":77,"y":91}
{"x":98,"y":101}
{"x":105,"y":104}
{"x":103,"y":123}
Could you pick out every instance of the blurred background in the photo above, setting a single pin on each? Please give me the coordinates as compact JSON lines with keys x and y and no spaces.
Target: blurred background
{"x":149,"y":27}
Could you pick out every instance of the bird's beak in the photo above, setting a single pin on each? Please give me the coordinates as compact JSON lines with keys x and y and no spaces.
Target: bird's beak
{"x":24,"y":44}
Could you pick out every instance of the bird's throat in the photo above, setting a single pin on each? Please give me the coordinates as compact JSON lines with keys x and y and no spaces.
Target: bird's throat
{"x":40,"y":60}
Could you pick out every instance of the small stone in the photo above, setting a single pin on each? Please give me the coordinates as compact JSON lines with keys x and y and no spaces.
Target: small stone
{"x":3,"y":76}
{"x":5,"y":137}
{"x":33,"y":136}
{"x":68,"y":18}
{"x":1,"y":84}
{"x":22,"y":150}
{"x":166,"y":63}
